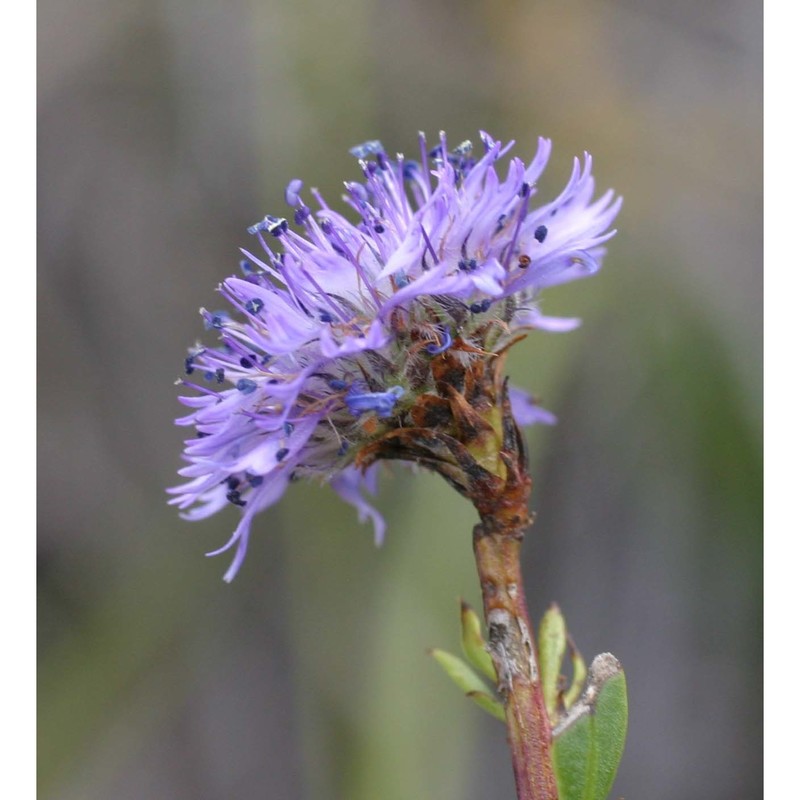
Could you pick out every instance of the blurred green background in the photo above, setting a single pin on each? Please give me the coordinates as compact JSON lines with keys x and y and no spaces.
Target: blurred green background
{"x":165,"y":128}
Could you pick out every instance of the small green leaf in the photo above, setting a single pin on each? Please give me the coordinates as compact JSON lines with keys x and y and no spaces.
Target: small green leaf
{"x":469,"y":682}
{"x":473,"y":644}
{"x":552,"y":646}
{"x":578,"y":675}
{"x":588,"y":742}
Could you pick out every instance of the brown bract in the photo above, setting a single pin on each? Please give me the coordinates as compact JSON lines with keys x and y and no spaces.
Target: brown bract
{"x":465,"y":431}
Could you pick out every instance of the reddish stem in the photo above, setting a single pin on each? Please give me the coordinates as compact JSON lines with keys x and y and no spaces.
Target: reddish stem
{"x":497,"y":541}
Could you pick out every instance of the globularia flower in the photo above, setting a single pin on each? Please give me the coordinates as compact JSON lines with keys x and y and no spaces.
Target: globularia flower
{"x":344,"y":336}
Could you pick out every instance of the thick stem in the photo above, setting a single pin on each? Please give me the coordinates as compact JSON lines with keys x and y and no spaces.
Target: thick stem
{"x":497,"y":541}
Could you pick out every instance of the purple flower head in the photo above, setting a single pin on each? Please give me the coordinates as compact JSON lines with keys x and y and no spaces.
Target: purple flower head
{"x":338,"y":328}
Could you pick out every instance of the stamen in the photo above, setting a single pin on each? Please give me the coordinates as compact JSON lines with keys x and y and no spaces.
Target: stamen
{"x":540,"y":233}
{"x":428,"y":243}
{"x":525,"y":194}
{"x":301,"y":215}
{"x":480,"y":307}
{"x":246,"y":386}
{"x":215,"y":319}
{"x":276,"y":226}
{"x":373,"y":147}
{"x":443,"y":345}
{"x":235,"y":497}
{"x":382,"y":403}
{"x":292,"y":193}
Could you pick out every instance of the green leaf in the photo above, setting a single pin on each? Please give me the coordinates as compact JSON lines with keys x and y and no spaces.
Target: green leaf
{"x":473,"y":644}
{"x":578,"y":675}
{"x":588,"y":743}
{"x":552,"y":646}
{"x":469,"y":682}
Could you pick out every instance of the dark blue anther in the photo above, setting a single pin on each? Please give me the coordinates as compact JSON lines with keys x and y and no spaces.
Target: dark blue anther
{"x":327,"y":227}
{"x":378,"y":228}
{"x":372,"y":168}
{"x":202,"y":434}
{"x":235,"y":497}
{"x":410,"y":170}
{"x":446,"y":341}
{"x":246,"y":386}
{"x":480,"y":307}
{"x":325,"y":317}
{"x":216,"y":319}
{"x":288,"y":428}
{"x":383,"y":162}
{"x":302,"y":214}
{"x":273,"y":381}
{"x":337,"y":385}
{"x":468,"y":264}
{"x":401,"y":280}
{"x":246,"y":267}
{"x":274,"y":225}
{"x":254,"y":305}
{"x":208,"y":375}
{"x":525,"y":190}
{"x":265,"y":358}
{"x":371,"y":148}
{"x":540,"y":234}
{"x":189,"y":364}
{"x":245,"y":362}
{"x":282,"y":453}
{"x":255,"y":480}
{"x":277,"y":226}
{"x":232,"y":482}
{"x":292,"y":193}
{"x":219,"y":374}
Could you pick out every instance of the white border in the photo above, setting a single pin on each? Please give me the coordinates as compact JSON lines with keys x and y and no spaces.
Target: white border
{"x":782,"y":398}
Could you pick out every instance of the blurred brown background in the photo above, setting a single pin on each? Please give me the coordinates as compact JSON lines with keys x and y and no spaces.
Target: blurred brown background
{"x":165,"y":128}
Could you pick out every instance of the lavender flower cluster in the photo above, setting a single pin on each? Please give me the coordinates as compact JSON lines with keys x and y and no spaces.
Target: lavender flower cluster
{"x":334,"y":324}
